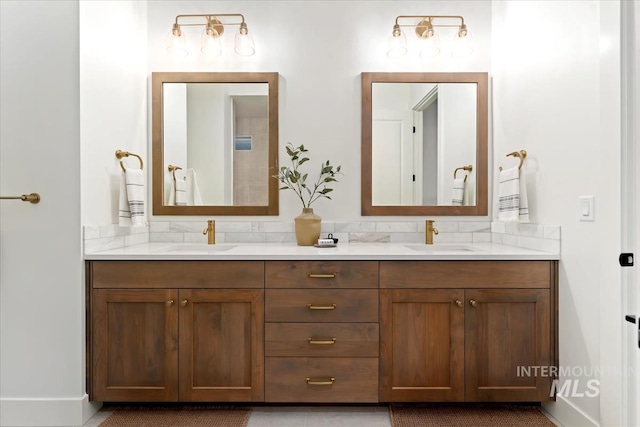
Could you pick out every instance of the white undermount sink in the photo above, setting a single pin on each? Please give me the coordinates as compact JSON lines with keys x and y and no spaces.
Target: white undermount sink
{"x":200,"y":247}
{"x":441,"y":248}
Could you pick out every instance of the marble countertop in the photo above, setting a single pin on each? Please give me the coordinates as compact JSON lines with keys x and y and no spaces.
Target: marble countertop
{"x":343,"y":251}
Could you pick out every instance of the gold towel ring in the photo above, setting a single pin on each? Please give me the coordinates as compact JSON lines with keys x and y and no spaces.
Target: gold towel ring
{"x":521,"y":154}
{"x":120,"y":154}
{"x":467,"y":168}
{"x":173,"y":170}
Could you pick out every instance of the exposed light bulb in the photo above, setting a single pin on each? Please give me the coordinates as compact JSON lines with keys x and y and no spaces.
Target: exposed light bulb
{"x":244,"y":41}
{"x":397,"y":43}
{"x":210,"y":42}
{"x":430,"y":46}
{"x":462,"y":44}
{"x":177,"y":45}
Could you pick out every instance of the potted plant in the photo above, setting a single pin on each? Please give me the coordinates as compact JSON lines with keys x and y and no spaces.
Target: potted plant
{"x":307,"y":224}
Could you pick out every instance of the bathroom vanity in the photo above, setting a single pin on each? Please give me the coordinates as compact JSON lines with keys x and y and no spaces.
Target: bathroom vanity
{"x":357,"y":323}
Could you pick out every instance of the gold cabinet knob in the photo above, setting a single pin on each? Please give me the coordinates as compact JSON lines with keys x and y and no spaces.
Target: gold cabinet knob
{"x":459,"y":303}
{"x":169,"y":303}
{"x":473,"y":303}
{"x":183,"y":303}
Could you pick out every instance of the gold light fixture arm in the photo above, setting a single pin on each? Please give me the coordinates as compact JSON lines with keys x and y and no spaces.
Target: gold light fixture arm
{"x":120,"y":154}
{"x":427,"y":24}
{"x":212,"y":21}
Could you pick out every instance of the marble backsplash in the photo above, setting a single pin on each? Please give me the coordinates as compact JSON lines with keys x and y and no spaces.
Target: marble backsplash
{"x":531,"y":236}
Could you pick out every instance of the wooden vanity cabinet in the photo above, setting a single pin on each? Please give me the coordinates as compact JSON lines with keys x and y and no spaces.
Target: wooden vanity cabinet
{"x":176,"y":331}
{"x":459,"y":330}
{"x":321,"y":323}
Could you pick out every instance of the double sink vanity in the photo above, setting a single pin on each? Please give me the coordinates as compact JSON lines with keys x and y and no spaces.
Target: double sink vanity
{"x":362,"y":322}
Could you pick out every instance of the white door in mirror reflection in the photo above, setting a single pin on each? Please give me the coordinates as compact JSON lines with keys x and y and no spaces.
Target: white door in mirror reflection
{"x":392,"y":156}
{"x":422,"y":132}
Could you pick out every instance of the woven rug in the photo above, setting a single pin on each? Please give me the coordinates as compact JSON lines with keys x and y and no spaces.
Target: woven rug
{"x":178,"y":416}
{"x":451,"y":415}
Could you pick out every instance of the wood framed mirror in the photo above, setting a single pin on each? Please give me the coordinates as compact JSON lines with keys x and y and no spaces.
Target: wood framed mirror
{"x":214,"y":143}
{"x":419,"y":132}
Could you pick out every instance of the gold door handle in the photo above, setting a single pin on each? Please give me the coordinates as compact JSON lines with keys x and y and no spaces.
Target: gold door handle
{"x":183,"y":303}
{"x":321,"y":307}
{"x":330,"y":381}
{"x":33,"y":198}
{"x":322,"y":276}
{"x":459,"y":303}
{"x":321,"y":342}
{"x":473,"y":303}
{"x":169,"y":303}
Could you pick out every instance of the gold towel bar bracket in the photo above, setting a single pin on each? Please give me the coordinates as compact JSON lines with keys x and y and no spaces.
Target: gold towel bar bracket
{"x":173,"y":169}
{"x":521,"y":154}
{"x":120,"y":154}
{"x":467,"y":168}
{"x":33,"y":198}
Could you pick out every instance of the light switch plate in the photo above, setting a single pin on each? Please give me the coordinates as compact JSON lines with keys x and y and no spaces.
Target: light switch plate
{"x":587,"y":208}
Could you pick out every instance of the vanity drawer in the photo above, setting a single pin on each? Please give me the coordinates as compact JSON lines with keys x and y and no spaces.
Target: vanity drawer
{"x":321,"y":305}
{"x":466,"y":274}
{"x":177,"y":274}
{"x":322,"y":339}
{"x":321,"y":274}
{"x":320,"y":379}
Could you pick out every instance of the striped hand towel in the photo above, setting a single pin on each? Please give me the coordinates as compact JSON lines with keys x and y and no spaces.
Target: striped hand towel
{"x":509,"y":195}
{"x":457,"y":193}
{"x":523,"y":209}
{"x":124,"y":213}
{"x":193,"y":192}
{"x":181,"y":192}
{"x":135,"y":196}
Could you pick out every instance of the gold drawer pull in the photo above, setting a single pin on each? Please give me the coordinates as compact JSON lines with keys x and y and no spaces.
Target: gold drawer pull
{"x":323,"y":276}
{"x":321,"y":307}
{"x":473,"y":303}
{"x":169,"y":303}
{"x":321,"y":342}
{"x":321,"y":382}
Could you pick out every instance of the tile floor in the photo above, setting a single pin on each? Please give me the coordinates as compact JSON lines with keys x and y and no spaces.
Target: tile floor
{"x":301,"y":416}
{"x":304,"y":416}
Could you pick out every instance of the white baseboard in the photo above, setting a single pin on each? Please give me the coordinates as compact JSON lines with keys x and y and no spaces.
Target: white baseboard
{"x":44,"y":412}
{"x":567,"y":414}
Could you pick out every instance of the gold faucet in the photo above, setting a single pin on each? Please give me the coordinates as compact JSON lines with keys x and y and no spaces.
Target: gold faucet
{"x":210,"y":231}
{"x":430,"y":231}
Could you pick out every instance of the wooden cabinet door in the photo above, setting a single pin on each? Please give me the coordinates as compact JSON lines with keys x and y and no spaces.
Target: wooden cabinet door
{"x":421,"y":345}
{"x":135,"y":345}
{"x":505,"y":331}
{"x":221,"y":345}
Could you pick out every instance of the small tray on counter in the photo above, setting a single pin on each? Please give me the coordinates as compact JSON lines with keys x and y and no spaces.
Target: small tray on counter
{"x":332,"y":245}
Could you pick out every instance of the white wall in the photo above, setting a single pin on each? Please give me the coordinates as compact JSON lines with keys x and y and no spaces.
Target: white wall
{"x":42,"y":379}
{"x":556,"y":94}
{"x":113,"y":100}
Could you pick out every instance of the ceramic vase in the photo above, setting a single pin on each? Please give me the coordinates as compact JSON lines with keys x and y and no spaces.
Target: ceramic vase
{"x":307,"y":226}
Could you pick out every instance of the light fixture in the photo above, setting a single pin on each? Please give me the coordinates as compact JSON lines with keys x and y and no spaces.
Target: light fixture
{"x":210,"y":43}
{"x":429,"y":40}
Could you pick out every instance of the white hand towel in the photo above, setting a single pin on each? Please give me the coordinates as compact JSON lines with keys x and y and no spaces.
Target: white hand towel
{"x":509,"y":195}
{"x":193,"y":192}
{"x":457,"y":192}
{"x":523,"y":209}
{"x":181,"y":192}
{"x":171,"y":201}
{"x":124,"y":213}
{"x":135,"y":196}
